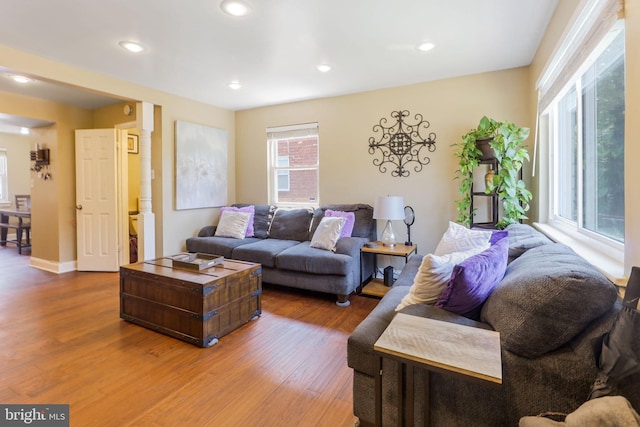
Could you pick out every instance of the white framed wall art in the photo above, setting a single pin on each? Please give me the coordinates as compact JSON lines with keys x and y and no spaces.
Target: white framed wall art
{"x":201,"y":166}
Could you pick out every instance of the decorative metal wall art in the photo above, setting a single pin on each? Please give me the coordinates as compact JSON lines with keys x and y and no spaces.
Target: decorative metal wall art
{"x":402,"y":144}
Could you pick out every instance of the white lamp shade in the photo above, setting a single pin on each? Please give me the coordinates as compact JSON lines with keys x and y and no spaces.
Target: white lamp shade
{"x":389,"y":208}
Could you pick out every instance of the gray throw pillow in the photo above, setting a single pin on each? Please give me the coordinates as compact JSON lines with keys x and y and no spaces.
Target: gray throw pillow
{"x":291,"y":224}
{"x":546,"y":298}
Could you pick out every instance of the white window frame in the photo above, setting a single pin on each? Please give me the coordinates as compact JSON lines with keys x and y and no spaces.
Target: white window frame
{"x":283,"y":161}
{"x":559,"y":222}
{"x":274,"y":168}
{"x":4,"y":177}
{"x":588,"y":35}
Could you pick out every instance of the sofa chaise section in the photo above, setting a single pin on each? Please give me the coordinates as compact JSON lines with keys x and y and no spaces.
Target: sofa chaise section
{"x":551,"y":308}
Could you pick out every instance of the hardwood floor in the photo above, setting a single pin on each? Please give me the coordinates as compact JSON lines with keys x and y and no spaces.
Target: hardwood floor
{"x":62,"y":341}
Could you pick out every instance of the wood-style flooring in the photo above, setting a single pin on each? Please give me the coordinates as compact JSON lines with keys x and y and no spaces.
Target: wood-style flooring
{"x":62,"y":341}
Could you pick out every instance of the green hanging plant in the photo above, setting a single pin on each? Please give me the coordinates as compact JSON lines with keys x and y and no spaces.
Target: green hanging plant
{"x":506,"y":140}
{"x":511,"y":155}
{"x":469,"y":155}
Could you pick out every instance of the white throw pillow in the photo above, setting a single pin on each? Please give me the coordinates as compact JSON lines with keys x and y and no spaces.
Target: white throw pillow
{"x":233,"y":224}
{"x":459,"y":238}
{"x":433,"y":275}
{"x":328,"y":232}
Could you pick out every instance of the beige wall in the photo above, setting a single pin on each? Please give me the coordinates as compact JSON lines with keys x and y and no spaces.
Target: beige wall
{"x":347,"y":173}
{"x":52,"y":202}
{"x":18,"y":147}
{"x":56,"y":242}
{"x":559,"y":23}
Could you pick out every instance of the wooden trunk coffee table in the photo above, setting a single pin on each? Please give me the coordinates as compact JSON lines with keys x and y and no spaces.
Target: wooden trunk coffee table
{"x":196,"y":306}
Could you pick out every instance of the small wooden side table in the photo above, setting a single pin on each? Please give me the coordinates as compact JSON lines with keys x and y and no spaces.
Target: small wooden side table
{"x":438,"y":346}
{"x":376,"y":287}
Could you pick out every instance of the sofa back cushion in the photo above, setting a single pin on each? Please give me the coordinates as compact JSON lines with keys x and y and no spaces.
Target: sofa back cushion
{"x":523,"y":237}
{"x":263,"y":214}
{"x":291,"y":224}
{"x":548,"y":296}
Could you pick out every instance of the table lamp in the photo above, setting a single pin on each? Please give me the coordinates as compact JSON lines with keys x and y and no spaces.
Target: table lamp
{"x":388,"y":208}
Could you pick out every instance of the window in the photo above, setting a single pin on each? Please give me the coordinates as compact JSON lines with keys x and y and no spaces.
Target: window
{"x":587,"y":144}
{"x":4,"y":177}
{"x":284,"y":176}
{"x":293,"y":164}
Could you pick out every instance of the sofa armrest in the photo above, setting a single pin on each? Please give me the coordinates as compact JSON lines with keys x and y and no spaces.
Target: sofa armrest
{"x":350,"y":246}
{"x":207,"y":231}
{"x":360,"y":355}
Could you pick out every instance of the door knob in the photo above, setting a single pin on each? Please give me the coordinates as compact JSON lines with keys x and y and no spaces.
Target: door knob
{"x":79,"y":207}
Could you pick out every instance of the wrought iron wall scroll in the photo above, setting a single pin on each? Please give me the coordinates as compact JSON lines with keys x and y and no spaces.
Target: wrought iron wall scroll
{"x":402,"y":144}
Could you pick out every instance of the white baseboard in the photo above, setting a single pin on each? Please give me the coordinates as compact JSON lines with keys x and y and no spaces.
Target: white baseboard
{"x":53,"y":267}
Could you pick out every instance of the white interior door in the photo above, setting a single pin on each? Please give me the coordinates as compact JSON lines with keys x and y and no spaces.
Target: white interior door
{"x":96,"y":200}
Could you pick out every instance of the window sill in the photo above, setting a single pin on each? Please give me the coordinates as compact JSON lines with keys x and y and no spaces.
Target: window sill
{"x":609,"y":261}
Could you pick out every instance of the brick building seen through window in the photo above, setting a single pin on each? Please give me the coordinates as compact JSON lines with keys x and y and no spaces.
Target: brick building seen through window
{"x":294,"y":167}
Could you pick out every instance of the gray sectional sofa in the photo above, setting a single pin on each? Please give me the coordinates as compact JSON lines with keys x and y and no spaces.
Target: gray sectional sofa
{"x":551,"y":308}
{"x":281,"y":244}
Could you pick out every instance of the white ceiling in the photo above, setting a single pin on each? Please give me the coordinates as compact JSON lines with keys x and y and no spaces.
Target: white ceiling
{"x":193,"y":49}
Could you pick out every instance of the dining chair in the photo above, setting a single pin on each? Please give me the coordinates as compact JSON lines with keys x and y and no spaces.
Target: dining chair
{"x":23,"y":202}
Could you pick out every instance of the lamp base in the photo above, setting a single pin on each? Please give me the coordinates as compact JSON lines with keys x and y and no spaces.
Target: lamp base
{"x":388,"y":237}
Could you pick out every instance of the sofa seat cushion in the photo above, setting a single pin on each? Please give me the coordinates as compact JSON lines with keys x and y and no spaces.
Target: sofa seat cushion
{"x":304,"y":258}
{"x":537,"y":310}
{"x":217,"y":245}
{"x":263,"y":251}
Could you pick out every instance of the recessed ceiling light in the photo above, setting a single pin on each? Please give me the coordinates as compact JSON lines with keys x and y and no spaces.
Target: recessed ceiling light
{"x":24,"y":131}
{"x":323,"y":68}
{"x":235,"y":85}
{"x":426,"y":46}
{"x":132,"y":46}
{"x":235,"y":7}
{"x":20,"y":79}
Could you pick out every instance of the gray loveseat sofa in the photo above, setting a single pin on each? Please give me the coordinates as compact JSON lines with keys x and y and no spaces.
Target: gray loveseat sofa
{"x":551,"y":309}
{"x":281,"y":244}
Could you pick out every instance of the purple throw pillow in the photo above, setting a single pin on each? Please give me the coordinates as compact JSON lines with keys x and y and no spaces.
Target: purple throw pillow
{"x":473,"y":280}
{"x":497,"y":235}
{"x":248,"y":209}
{"x":347,"y":229}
